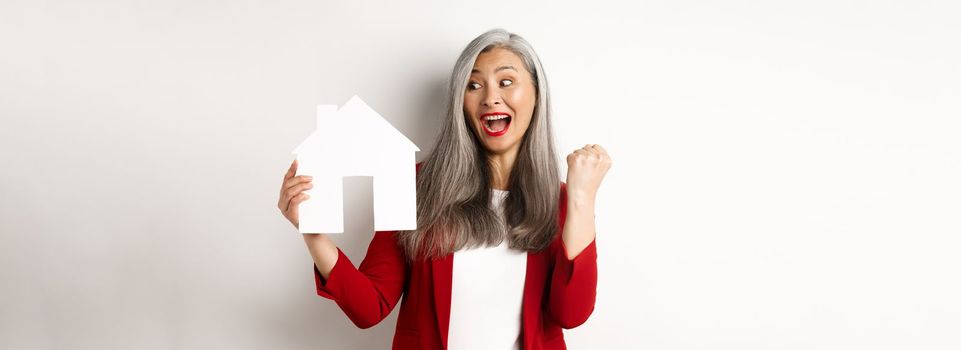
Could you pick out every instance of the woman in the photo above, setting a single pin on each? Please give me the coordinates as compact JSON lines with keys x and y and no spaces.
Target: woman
{"x":504,"y":254}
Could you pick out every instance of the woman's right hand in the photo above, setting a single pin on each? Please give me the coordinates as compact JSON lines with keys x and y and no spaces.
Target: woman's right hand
{"x":292,"y":193}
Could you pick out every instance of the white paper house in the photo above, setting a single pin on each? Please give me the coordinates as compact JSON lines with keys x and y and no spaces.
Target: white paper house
{"x":356,"y":141}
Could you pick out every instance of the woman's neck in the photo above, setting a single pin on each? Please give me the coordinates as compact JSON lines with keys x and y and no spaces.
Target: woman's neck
{"x":501,"y":165}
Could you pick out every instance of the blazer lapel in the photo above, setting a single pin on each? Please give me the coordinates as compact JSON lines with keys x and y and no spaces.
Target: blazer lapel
{"x":443,"y":271}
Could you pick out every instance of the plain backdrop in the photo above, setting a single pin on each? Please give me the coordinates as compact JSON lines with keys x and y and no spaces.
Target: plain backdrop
{"x":785,"y":173}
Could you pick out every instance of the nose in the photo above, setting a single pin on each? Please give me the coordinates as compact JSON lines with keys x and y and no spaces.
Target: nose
{"x":492,"y":97}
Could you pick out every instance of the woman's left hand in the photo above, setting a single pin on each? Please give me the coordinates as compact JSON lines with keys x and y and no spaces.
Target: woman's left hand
{"x":586,"y":168}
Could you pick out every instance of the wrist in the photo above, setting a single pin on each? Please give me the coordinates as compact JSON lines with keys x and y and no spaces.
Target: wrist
{"x":313,"y":239}
{"x":580,"y":198}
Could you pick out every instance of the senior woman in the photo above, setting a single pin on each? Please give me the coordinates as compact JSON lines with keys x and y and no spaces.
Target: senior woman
{"x":504,"y":254}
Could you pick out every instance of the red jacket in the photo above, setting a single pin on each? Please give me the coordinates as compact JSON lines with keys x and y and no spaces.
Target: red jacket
{"x":558,"y":293}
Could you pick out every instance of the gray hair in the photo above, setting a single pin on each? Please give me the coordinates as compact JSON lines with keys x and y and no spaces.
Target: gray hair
{"x":454,"y":182}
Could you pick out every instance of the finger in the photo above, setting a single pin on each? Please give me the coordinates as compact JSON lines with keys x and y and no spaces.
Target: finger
{"x":288,"y":197}
{"x":590,"y":153}
{"x":296,"y":180}
{"x":292,"y":211}
{"x":284,"y":204}
{"x":286,"y":194}
{"x":291,"y":171}
{"x":281,"y":202}
{"x":601,"y":149}
{"x":297,"y":189}
{"x":581,"y":155}
{"x":592,"y":149}
{"x":298,"y":199}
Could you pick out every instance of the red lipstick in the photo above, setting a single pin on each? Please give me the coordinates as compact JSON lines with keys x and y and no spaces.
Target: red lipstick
{"x":498,"y":119}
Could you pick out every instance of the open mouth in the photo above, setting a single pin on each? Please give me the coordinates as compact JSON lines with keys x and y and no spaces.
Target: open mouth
{"x":496,"y":124}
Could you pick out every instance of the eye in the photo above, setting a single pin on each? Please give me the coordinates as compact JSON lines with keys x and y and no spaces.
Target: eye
{"x":506,"y":82}
{"x":473,"y":86}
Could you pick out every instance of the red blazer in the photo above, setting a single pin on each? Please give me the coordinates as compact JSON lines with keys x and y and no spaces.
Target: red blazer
{"x":558,"y":293}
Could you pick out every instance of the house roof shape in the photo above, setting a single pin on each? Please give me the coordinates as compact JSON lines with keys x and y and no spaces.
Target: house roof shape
{"x":354,"y":125}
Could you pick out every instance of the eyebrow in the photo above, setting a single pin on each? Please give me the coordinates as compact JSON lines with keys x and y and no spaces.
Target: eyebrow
{"x":496,"y":70}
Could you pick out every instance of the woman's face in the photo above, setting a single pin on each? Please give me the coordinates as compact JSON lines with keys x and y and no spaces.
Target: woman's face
{"x":499,"y":100}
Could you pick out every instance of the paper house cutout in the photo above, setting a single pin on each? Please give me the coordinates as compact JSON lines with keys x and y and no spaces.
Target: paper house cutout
{"x":355,"y":140}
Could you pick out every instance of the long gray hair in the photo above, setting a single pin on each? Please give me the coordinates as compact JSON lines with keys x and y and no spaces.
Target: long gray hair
{"x":454,"y":182}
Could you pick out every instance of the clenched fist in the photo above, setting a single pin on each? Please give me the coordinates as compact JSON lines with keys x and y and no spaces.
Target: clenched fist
{"x":586,"y":168}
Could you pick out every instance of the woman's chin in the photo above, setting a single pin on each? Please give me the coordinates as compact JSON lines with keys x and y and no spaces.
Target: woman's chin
{"x":499,"y":146}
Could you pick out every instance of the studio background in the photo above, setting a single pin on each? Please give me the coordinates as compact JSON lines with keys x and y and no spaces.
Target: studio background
{"x":785,"y":173}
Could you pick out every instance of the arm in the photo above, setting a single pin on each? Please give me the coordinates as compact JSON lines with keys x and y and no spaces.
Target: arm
{"x":574,"y":279}
{"x":578,"y":230}
{"x":323,"y":251}
{"x":366,"y":294}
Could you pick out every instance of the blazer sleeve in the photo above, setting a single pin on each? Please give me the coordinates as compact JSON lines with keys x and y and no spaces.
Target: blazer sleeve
{"x":573,"y":285}
{"x":367,"y":294}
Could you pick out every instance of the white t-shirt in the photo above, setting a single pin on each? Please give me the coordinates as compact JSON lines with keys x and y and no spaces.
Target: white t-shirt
{"x":487,"y":294}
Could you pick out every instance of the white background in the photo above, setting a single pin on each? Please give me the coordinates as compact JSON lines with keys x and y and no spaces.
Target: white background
{"x":785,"y":173}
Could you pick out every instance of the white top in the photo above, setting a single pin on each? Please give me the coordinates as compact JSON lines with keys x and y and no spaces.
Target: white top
{"x":487,"y":293}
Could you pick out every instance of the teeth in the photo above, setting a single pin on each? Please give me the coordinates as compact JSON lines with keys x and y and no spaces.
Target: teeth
{"x":495,"y":117}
